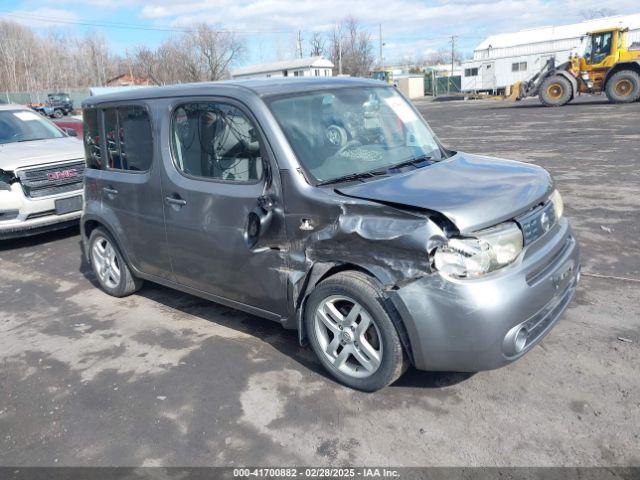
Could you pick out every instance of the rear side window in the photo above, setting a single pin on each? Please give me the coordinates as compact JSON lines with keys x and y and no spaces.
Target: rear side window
{"x":128,"y":138}
{"x":216,"y":141}
{"x":92,"y":149}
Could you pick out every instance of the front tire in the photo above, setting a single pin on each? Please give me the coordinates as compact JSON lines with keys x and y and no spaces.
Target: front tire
{"x":109,"y":266}
{"x":555,"y":91}
{"x":352,"y":332}
{"x":623,"y":87}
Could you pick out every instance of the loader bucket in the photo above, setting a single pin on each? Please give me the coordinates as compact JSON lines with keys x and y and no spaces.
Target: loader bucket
{"x":515,"y":91}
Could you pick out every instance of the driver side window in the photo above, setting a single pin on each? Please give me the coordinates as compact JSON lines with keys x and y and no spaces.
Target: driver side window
{"x":601,"y":46}
{"x":216,"y":141}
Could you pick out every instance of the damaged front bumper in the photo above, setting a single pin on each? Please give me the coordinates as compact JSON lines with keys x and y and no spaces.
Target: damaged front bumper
{"x":482,"y":324}
{"x":21,"y":216}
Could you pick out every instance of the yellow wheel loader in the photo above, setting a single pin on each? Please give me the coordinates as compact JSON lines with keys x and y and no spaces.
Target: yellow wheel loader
{"x":604,"y":65}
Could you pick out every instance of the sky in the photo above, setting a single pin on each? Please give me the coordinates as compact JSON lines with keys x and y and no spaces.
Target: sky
{"x":410,"y":28}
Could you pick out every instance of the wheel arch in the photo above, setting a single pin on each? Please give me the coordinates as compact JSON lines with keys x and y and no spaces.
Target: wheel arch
{"x":634,"y":66}
{"x":572,"y":80}
{"x":321,"y":271}
{"x":88,"y":225}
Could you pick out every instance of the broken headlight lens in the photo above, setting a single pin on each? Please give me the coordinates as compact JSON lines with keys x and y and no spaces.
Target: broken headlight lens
{"x":558,"y":204}
{"x":490,"y":250}
{"x":5,"y":180}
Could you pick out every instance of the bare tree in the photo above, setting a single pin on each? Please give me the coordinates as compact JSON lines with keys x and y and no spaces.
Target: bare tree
{"x":351,"y":46}
{"x":199,"y":54}
{"x":317,"y":44}
{"x":56,"y":60}
{"x":52,"y":61}
{"x":216,"y":50}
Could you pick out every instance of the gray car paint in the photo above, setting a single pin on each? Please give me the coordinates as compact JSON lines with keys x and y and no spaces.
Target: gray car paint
{"x":474,"y":192}
{"x":386,"y":228}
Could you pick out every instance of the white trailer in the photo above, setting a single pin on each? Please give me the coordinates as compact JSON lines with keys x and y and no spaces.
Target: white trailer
{"x":503,"y":59}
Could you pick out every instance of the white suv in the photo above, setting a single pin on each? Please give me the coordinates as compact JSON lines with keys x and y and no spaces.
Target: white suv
{"x":41,"y":173}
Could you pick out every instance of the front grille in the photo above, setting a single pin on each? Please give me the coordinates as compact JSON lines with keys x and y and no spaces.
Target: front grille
{"x":52,"y":180}
{"x":549,"y":261}
{"x":537,"y":222}
{"x":540,"y":323}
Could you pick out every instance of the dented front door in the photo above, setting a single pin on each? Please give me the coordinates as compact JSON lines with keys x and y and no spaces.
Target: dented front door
{"x":214,"y":178}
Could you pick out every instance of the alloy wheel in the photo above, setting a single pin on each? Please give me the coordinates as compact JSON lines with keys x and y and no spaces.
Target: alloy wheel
{"x":105,"y":261}
{"x":348,"y":336}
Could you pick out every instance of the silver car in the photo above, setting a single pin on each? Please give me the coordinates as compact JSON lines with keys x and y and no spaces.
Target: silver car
{"x":41,"y":172}
{"x":329,"y":206}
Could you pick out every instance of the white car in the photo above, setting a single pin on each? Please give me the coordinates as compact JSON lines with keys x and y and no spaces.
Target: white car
{"x":41,"y":173}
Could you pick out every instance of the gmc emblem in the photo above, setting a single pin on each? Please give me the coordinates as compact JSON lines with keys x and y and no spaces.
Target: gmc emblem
{"x":70,"y":173}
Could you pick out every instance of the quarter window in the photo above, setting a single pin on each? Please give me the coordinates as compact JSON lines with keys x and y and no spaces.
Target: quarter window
{"x":216,"y":141}
{"x":92,"y":149}
{"x":128,"y":138}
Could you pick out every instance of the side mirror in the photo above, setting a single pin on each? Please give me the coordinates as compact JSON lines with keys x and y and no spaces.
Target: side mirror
{"x":71,"y":132}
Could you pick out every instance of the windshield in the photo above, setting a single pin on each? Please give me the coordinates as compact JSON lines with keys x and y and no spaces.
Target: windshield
{"x":596,"y":47}
{"x":24,"y":126}
{"x":349,"y":131}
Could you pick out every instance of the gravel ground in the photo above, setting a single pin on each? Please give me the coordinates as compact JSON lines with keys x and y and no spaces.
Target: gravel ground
{"x":164,"y":378}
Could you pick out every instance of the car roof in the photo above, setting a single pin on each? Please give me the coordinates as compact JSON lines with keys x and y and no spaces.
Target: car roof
{"x":12,"y":106}
{"x":260,"y":87}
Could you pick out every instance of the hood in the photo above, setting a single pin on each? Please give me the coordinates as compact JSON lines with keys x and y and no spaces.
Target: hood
{"x":474,"y":192}
{"x":38,"y":152}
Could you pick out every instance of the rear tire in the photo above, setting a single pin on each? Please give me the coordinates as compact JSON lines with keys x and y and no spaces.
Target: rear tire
{"x":555,"y":91}
{"x":109,"y":266}
{"x":623,"y":87}
{"x":361,"y":350}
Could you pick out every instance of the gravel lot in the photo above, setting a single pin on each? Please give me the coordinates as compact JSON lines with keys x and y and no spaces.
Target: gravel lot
{"x":164,"y":378}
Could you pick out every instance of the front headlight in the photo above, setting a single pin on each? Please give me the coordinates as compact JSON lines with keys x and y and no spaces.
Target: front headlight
{"x":558,"y":204}
{"x":490,"y":250}
{"x":5,"y":180}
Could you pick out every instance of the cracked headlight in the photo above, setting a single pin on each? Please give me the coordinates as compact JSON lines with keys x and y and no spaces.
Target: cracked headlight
{"x":489,"y":250}
{"x":5,"y":180}
{"x":558,"y":204}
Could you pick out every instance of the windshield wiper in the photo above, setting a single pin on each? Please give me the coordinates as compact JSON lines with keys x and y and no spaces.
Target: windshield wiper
{"x":32,"y":139}
{"x":354,"y":176}
{"x":416,"y":161}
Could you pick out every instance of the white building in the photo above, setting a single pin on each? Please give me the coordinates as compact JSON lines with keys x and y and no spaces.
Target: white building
{"x":503,"y":59}
{"x":299,"y":67}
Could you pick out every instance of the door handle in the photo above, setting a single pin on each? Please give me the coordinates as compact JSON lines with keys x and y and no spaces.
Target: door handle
{"x":110,"y":191}
{"x":176,"y":201}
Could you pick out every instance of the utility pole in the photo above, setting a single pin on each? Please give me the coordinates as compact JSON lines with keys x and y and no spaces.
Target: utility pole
{"x":453,"y":51}
{"x":300,"y":43}
{"x":126,"y":52}
{"x":453,"y":57}
{"x":381,"y":45}
{"x":340,"y":56}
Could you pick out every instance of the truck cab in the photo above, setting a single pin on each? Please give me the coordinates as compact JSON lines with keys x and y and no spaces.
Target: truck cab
{"x":604,"y":54}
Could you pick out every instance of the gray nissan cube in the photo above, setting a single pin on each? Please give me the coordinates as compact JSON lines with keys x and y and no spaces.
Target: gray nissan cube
{"x":327,"y":205}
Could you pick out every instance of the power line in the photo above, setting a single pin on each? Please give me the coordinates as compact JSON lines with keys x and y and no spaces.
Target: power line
{"x":128,"y":26}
